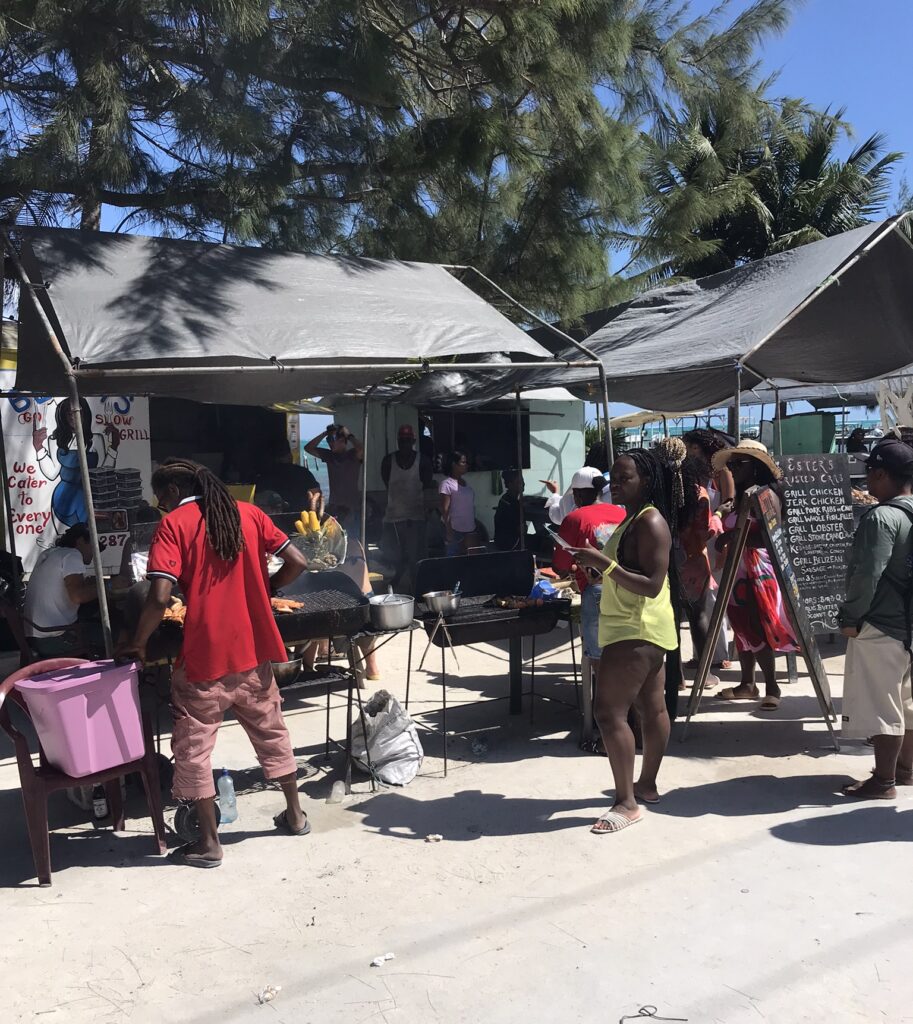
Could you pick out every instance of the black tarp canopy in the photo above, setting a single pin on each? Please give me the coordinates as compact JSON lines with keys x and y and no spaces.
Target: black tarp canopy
{"x":831,"y":312}
{"x":160,"y":316}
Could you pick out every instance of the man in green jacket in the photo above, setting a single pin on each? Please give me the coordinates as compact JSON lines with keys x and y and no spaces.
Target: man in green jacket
{"x":877,"y":698}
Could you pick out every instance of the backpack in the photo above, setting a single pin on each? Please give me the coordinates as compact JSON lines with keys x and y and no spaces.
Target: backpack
{"x":907,"y":589}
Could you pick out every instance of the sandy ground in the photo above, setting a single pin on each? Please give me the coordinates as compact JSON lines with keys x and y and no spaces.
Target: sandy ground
{"x":751,"y":892}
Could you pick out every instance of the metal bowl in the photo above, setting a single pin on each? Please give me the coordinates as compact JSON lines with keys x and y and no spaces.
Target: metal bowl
{"x":444,"y":602}
{"x":286,"y":672}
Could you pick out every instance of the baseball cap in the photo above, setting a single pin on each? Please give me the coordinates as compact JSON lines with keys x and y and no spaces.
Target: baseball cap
{"x":892,"y":455}
{"x":406,"y":430}
{"x":585,"y":478}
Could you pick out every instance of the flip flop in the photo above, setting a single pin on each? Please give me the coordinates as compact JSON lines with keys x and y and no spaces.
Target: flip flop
{"x":281,"y":822}
{"x":592,"y":747}
{"x":644,"y":800}
{"x":616,"y":819}
{"x":770,"y":703}
{"x":191,"y":860}
{"x":729,"y":694}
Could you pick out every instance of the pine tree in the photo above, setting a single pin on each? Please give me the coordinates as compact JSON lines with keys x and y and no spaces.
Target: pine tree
{"x":503,"y":133}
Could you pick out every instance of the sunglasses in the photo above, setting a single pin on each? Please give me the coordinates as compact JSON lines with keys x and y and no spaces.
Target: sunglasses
{"x":740,"y":462}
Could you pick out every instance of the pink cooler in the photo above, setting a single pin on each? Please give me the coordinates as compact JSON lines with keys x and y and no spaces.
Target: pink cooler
{"x":87,"y":717}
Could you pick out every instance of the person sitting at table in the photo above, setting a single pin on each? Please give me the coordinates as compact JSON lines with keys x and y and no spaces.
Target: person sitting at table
{"x":215,"y":549}
{"x":591,"y":524}
{"x":458,"y":506}
{"x":57,"y":588}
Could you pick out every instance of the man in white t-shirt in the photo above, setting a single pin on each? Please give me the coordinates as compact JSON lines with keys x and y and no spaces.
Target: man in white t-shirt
{"x":561,"y":505}
{"x":56,"y":588}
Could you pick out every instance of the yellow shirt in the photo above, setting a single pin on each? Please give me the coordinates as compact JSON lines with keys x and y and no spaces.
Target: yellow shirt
{"x":624,"y":615}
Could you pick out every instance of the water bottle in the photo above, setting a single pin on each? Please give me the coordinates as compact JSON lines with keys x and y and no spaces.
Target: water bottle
{"x":337,"y":793}
{"x":228,"y":805}
{"x":99,"y":803}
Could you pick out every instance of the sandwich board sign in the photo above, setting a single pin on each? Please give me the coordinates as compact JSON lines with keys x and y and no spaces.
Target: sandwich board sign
{"x":760,"y":506}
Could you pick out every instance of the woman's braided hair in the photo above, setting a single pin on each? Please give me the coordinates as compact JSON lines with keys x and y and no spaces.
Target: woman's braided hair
{"x":672,"y":486}
{"x":219,"y":508}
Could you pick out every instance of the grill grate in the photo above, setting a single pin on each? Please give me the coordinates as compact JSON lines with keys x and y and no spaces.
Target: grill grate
{"x":325,"y":601}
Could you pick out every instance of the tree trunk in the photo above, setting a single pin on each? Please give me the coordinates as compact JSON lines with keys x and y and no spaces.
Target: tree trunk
{"x":90,"y":218}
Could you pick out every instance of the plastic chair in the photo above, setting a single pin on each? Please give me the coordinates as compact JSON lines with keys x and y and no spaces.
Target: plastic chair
{"x":38,"y":783}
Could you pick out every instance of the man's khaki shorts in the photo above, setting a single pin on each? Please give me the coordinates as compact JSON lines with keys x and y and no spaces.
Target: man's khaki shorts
{"x":877,"y":695}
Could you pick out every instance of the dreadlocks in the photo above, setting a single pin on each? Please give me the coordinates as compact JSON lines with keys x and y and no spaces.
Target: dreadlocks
{"x":219,"y":508}
{"x":659,"y":485}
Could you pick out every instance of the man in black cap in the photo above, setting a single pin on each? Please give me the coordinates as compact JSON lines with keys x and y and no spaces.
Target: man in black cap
{"x":876,"y":616}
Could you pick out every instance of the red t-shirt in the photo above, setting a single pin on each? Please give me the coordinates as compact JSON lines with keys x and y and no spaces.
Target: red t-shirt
{"x":229,"y":625}
{"x":593,"y":525}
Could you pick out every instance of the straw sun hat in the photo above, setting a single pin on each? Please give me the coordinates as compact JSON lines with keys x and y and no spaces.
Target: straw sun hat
{"x":753,"y":449}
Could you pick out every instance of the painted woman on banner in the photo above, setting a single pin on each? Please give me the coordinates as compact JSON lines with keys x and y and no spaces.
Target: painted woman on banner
{"x":58,"y":458}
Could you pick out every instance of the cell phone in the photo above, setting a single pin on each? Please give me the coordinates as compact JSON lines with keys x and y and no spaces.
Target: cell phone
{"x":558,"y":539}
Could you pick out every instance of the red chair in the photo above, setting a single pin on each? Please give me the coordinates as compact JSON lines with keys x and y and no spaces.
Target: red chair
{"x":38,"y":783}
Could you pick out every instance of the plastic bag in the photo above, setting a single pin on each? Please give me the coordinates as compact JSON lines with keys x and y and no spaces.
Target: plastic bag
{"x":544,"y":590}
{"x":393,"y":743}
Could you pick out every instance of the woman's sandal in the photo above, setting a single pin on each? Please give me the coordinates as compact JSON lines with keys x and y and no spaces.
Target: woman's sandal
{"x":617,"y":820}
{"x":729,"y":693}
{"x":592,"y":746}
{"x":770,"y":703}
{"x":872,"y":788}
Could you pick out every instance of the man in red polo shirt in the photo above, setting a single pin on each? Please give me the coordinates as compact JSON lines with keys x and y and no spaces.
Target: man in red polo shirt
{"x":215,"y":549}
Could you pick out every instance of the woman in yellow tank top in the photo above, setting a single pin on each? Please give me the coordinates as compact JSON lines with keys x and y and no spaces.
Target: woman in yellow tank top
{"x":636,"y":625}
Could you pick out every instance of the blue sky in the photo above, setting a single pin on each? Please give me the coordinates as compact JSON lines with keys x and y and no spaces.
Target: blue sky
{"x":845,"y":53}
{"x":853,"y":54}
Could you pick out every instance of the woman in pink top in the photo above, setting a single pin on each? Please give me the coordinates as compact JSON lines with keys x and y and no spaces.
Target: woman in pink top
{"x":458,"y":507}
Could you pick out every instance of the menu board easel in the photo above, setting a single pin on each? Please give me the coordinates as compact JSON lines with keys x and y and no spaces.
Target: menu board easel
{"x":819,"y":532}
{"x":760,"y":503}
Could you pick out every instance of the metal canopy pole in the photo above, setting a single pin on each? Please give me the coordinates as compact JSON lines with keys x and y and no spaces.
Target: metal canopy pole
{"x":8,"y":508}
{"x":522,"y":529}
{"x":737,"y":404}
{"x":90,"y":373}
{"x":73,"y":398}
{"x":779,"y":424}
{"x":364,"y":473}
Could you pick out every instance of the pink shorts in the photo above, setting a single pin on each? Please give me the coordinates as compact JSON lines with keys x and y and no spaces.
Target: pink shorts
{"x":198,"y":709}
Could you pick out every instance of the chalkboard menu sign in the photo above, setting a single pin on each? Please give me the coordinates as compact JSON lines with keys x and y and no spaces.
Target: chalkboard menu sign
{"x":766,"y":510}
{"x":760,"y":506}
{"x":819,"y":531}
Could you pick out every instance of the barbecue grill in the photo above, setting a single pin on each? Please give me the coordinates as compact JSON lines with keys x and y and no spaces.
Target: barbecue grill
{"x":480,"y":620}
{"x":333,"y":607}
{"x":482,"y":578}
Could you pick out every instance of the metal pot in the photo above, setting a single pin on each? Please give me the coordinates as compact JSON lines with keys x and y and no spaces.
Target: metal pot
{"x":392,"y":611}
{"x":286,"y":672}
{"x":444,"y":602}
